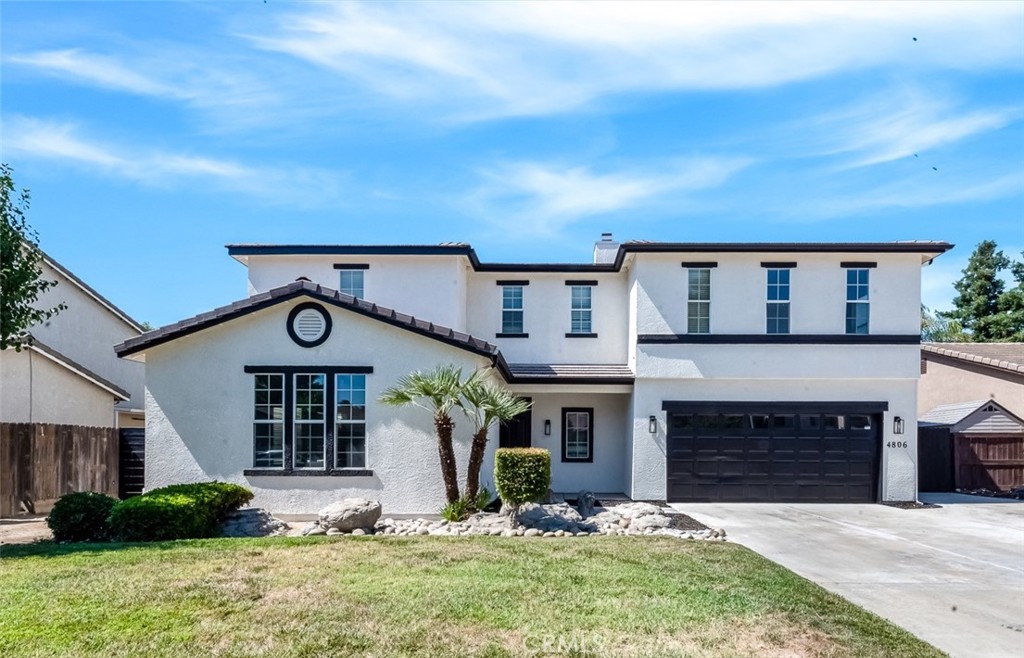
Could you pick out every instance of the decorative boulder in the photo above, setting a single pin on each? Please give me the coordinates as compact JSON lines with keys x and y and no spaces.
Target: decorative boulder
{"x":637,"y":510}
{"x":651,"y":521}
{"x":349,"y":514}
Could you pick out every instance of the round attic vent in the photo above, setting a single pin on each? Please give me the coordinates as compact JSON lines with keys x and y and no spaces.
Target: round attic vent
{"x":309,"y":324}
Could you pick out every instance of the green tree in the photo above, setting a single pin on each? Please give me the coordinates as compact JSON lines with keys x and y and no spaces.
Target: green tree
{"x":1011,"y":306}
{"x":438,"y":392}
{"x":976,"y":306}
{"x":486,"y":404}
{"x":936,"y":329}
{"x":21,"y":280}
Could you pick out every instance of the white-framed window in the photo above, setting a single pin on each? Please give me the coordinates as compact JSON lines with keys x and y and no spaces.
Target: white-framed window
{"x":580,"y":312}
{"x":268,"y":422}
{"x":577,"y":435}
{"x":350,"y":421}
{"x":698,"y":305}
{"x":777,"y":310}
{"x":511,"y":309}
{"x":351,"y":282}
{"x":858,"y":305}
{"x":308,"y":422}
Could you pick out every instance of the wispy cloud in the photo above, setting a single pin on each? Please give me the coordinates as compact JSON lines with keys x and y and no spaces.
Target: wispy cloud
{"x":543,"y":199}
{"x":90,"y":68}
{"x":31,"y":138}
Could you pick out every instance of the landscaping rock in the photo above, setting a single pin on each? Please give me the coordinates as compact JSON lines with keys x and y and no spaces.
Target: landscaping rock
{"x":637,"y":510}
{"x":252,"y":522}
{"x":651,"y":522}
{"x":314,"y":529}
{"x":351,"y":513}
{"x":334,"y":531}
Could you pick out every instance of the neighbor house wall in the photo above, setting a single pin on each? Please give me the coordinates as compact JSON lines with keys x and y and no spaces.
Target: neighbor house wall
{"x":199,"y":411}
{"x":948,"y":382}
{"x":34,"y":389}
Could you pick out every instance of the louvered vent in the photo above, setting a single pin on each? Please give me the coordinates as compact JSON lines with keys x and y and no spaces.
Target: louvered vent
{"x":310,"y":324}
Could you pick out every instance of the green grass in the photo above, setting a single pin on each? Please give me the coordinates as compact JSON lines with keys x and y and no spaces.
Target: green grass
{"x":379,"y":596}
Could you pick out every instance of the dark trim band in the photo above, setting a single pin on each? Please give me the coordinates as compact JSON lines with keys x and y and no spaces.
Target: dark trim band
{"x":511,"y":335}
{"x":779,"y":339}
{"x":572,"y":282}
{"x":512,"y":282}
{"x":570,"y":335}
{"x":351,"y":266}
{"x":710,"y":406}
{"x":307,"y":306}
{"x":337,"y":472}
{"x":699,"y":264}
{"x":291,"y":370}
{"x":573,"y":381}
{"x":854,"y":264}
{"x":780,"y":266}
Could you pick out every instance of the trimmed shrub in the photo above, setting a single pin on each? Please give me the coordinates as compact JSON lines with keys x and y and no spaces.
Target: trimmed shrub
{"x":81,"y":516}
{"x":180,"y":511}
{"x":522,"y":475}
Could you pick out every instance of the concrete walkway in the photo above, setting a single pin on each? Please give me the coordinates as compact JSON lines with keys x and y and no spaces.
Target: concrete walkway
{"x":952,"y":576}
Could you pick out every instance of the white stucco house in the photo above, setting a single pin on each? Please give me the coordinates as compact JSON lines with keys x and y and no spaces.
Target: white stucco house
{"x":69,"y":375}
{"x":678,"y":371}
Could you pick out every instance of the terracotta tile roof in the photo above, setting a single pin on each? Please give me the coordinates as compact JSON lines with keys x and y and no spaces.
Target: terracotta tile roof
{"x":1004,"y":356}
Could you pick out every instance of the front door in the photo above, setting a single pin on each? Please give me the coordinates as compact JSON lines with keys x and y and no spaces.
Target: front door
{"x":516,"y":432}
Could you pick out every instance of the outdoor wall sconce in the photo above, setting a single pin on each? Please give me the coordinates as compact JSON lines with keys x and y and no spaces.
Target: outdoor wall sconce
{"x":652,"y":424}
{"x":547,"y":428}
{"x":897,"y":425}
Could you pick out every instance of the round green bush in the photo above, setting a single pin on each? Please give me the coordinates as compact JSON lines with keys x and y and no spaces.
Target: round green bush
{"x":81,"y":516}
{"x":522,"y":475}
{"x":180,"y":511}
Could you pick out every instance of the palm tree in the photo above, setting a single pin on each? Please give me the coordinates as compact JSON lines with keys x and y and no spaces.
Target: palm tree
{"x":486,"y":404}
{"x":438,"y":392}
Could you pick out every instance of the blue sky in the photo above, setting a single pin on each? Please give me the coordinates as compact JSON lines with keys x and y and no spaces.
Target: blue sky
{"x":151,"y":134}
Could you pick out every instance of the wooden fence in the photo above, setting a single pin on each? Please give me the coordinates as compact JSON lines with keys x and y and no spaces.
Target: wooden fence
{"x":39,"y":463}
{"x":989,"y":461}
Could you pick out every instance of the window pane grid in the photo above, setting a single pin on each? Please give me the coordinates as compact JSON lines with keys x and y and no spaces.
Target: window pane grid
{"x":858,"y":309}
{"x":777,"y":308}
{"x":268,"y":422}
{"x":512,"y":309}
{"x":577,"y":435}
{"x":351,"y":283}
{"x":580,"y":313}
{"x":698,"y":308}
{"x":350,"y":421}
{"x":308,"y":421}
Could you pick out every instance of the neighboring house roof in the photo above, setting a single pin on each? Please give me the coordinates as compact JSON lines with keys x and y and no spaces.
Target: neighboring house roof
{"x":543,"y":373}
{"x":1008,"y":357}
{"x":91,"y":292}
{"x":41,"y":348}
{"x":929,"y":250}
{"x":950,"y":415}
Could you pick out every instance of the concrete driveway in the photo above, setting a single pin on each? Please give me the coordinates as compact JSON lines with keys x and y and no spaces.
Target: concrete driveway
{"x":952,"y":576}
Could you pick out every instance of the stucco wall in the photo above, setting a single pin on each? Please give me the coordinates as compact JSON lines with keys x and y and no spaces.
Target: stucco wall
{"x":948,"y":384}
{"x":611,"y":424}
{"x":429,"y":287}
{"x":86,"y":333}
{"x":34,"y":389}
{"x":898,"y":474}
{"x":199,"y":411}
{"x":817,"y":293}
{"x":546,"y":317}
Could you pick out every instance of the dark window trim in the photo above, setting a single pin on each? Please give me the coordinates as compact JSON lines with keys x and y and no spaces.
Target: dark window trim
{"x":590,"y":438}
{"x":300,"y":341}
{"x":291,"y":370}
{"x":857,"y":265}
{"x":572,"y":282}
{"x":336,"y":472}
{"x":351,"y":266}
{"x":699,"y":265}
{"x":501,"y":335}
{"x":768,"y":406}
{"x":512,"y":282}
{"x":778,"y":266}
{"x":572,"y":335}
{"x":779,"y":339}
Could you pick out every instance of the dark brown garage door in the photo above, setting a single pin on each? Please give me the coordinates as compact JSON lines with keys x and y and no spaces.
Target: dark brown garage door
{"x":788,"y":454}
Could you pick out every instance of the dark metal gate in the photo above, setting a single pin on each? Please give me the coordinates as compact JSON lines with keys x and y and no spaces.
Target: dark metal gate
{"x":133,"y":461}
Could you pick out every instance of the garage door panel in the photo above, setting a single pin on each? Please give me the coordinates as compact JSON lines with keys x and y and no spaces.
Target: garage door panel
{"x":791,"y":457}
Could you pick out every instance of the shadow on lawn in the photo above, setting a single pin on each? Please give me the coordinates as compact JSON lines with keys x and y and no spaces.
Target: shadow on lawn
{"x":49,"y":548}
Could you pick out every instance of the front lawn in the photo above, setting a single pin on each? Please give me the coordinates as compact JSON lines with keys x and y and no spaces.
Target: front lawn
{"x":382,"y":596}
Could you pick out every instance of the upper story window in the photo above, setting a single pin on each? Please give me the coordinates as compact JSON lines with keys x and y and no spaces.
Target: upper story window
{"x":698,"y":307}
{"x":351,"y":283}
{"x":580,"y":320}
{"x":858,"y":306}
{"x":778,"y":301}
{"x":512,"y":309}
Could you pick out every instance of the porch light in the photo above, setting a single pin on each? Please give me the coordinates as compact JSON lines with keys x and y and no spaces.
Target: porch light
{"x":652,"y":424}
{"x":897,"y":425}
{"x":547,"y":428}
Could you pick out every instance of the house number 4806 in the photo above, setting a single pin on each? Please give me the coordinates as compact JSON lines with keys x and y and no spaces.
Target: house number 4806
{"x":896,"y":444}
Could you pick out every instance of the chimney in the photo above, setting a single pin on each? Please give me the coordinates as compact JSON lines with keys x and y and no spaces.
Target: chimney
{"x":605,"y":249}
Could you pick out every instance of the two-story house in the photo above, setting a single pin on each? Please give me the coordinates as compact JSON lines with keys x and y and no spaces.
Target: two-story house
{"x":678,"y":371}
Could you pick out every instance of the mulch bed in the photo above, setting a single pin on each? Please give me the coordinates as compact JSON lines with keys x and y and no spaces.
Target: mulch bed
{"x":913,"y":505}
{"x":683,"y":522}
